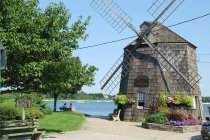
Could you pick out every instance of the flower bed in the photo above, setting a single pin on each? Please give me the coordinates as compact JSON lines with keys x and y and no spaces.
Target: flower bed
{"x":172,"y":114}
{"x":185,"y":122}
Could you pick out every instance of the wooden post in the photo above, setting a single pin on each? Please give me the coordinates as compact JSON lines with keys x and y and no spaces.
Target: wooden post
{"x":23,"y":113}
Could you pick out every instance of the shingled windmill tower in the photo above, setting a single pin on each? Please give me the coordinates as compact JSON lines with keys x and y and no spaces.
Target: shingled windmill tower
{"x":150,"y":75}
{"x":158,"y":60}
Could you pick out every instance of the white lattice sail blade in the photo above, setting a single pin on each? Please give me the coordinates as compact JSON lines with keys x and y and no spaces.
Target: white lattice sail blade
{"x":118,"y":71}
{"x":171,"y":55}
{"x":112,"y":13}
{"x":162,"y":9}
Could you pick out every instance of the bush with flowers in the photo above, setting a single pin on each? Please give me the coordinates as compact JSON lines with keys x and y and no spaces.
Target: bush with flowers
{"x":173,"y":107}
{"x":130,"y":101}
{"x":122,"y":99}
{"x":179,"y":99}
{"x":119,"y":99}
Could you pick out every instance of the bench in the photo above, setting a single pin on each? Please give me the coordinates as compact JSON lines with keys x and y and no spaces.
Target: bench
{"x":65,"y":109}
{"x":116,"y":117}
{"x":10,"y":129}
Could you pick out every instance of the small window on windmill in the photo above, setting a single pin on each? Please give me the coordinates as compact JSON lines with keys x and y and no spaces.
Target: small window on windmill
{"x":141,"y":100}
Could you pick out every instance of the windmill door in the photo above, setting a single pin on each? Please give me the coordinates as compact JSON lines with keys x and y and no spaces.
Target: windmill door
{"x":141,"y":100}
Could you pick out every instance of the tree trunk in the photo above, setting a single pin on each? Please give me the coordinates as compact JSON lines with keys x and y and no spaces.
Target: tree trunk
{"x":55,"y":101}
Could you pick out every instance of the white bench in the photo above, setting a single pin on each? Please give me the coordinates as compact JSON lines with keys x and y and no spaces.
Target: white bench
{"x":117,"y":116}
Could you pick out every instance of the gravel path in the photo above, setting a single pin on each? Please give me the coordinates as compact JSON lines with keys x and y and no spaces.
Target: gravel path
{"x":102,"y":129}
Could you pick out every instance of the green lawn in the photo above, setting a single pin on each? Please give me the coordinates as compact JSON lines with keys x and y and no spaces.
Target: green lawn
{"x":61,"y":121}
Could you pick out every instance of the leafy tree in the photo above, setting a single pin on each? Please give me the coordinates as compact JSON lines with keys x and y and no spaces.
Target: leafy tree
{"x":206,"y":99}
{"x":91,"y":96}
{"x":39,"y":46}
{"x":66,"y":76}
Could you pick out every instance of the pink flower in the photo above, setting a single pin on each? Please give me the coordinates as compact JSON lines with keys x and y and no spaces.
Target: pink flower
{"x":170,"y":99}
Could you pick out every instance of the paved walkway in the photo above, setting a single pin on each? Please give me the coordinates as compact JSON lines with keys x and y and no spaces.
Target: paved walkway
{"x":102,"y":129}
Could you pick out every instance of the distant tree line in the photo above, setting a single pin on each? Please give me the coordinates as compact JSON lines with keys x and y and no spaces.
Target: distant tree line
{"x":82,"y":96}
{"x":206,"y":99}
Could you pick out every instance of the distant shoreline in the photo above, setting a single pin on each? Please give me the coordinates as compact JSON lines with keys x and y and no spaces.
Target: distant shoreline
{"x":47,"y":100}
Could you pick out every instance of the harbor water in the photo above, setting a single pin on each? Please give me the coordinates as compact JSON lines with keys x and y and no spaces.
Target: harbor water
{"x":101,"y":108}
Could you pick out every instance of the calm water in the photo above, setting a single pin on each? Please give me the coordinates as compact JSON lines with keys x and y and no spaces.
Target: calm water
{"x":206,"y":112}
{"x":100,"y":107}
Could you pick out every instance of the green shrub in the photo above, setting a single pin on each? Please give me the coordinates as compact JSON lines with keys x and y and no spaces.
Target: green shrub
{"x":46,"y":111}
{"x":178,"y":99}
{"x":33,"y":113}
{"x":130,"y":101}
{"x":186,"y":99}
{"x":120,"y":99}
{"x":7,"y":97}
{"x":156,"y":118}
{"x":7,"y":112}
{"x":163,"y":98}
{"x":10,"y":104}
{"x":44,"y":108}
{"x":163,"y":109}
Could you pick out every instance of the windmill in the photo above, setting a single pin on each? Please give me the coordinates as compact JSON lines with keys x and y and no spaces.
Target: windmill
{"x":164,"y":53}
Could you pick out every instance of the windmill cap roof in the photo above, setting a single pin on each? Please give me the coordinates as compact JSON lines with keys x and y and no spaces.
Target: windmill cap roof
{"x":161,"y":33}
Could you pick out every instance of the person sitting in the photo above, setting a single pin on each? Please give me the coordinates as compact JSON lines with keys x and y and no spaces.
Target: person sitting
{"x":63,"y":108}
{"x":72,"y":108}
{"x":64,"y":105}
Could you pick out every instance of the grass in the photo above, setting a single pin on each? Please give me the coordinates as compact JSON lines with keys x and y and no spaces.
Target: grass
{"x":61,"y":121}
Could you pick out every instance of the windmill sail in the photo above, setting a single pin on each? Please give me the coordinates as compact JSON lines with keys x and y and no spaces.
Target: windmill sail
{"x":161,"y":10}
{"x":118,"y":71}
{"x":170,"y":54}
{"x":119,"y":20}
{"x":112,"y":13}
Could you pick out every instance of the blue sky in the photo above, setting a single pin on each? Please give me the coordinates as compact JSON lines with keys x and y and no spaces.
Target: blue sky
{"x":103,"y":57}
